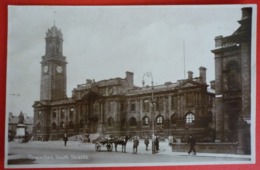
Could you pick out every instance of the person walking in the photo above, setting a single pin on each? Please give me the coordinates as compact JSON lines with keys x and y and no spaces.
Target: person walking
{"x":65,"y":138}
{"x":156,"y":143}
{"x":146,"y":142}
{"x":135,"y":144}
{"x":192,"y":142}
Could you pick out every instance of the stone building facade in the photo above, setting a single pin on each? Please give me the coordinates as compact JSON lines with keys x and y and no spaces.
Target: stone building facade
{"x":233,"y":84}
{"x":116,"y":106}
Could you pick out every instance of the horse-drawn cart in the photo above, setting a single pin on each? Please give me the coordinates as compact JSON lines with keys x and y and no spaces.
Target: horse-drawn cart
{"x":104,"y":142}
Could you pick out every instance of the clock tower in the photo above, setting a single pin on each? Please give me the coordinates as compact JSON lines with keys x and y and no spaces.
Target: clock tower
{"x":53,"y":67}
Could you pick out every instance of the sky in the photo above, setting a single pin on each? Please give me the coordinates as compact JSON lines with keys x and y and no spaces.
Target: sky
{"x":104,"y":42}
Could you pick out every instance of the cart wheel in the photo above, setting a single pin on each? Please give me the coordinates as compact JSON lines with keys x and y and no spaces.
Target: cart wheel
{"x":109,"y":147}
{"x":98,"y":147}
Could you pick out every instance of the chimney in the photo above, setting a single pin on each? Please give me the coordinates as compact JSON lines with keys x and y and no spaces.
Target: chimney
{"x":218,"y":41}
{"x":203,"y":75}
{"x":88,"y":81}
{"x":130,"y":79}
{"x":246,"y":12}
{"x":212,"y":84}
{"x":190,"y":75}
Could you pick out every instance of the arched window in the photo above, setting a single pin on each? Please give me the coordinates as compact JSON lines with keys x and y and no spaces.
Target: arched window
{"x":159,"y":120}
{"x":62,"y":125}
{"x":190,"y":118}
{"x":53,"y":125}
{"x":174,"y":119}
{"x":132,"y":121}
{"x":145,"y":120}
{"x":110,"y":122}
{"x":71,"y":125}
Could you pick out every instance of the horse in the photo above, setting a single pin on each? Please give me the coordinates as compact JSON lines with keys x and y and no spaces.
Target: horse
{"x":121,"y":141}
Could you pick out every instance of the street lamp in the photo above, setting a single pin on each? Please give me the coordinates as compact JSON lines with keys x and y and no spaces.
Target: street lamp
{"x":148,"y":74}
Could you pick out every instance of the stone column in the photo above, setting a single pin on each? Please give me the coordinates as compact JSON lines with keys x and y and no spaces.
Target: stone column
{"x":219,"y":111}
{"x":246,"y":79}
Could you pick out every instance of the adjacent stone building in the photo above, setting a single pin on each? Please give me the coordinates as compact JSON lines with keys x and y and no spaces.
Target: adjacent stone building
{"x":233,"y":84}
{"x":116,"y":106}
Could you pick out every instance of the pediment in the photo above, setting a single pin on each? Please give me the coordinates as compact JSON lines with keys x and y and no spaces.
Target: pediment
{"x":39,"y":104}
{"x":189,"y":84}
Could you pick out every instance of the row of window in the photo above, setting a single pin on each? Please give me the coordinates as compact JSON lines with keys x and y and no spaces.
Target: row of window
{"x":159,"y":103}
{"x":132,"y":122}
{"x":159,"y":120}
{"x":62,"y":113}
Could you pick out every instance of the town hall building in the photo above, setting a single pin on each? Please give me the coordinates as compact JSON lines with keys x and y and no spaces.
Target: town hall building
{"x":116,"y":106}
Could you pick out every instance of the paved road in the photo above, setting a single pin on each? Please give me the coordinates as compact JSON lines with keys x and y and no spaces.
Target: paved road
{"x":84,"y":154}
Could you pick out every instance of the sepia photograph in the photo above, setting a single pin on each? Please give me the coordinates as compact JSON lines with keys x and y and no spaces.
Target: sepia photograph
{"x":124,"y":86}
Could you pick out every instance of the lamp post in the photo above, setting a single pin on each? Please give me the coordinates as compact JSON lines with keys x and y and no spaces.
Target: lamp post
{"x":148,"y":74}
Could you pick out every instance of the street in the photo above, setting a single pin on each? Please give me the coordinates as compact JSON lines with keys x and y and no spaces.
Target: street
{"x":38,"y":153}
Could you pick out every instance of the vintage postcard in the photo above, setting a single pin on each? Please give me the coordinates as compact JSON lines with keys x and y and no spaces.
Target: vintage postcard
{"x":110,"y":86}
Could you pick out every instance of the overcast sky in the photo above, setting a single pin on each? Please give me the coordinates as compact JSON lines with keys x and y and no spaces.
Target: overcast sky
{"x":105,"y":42}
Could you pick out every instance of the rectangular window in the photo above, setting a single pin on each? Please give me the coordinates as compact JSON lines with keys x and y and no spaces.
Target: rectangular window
{"x":111,"y":106}
{"x":159,"y":104}
{"x":54,"y":113}
{"x":132,"y":106}
{"x":39,"y":115}
{"x":174,"y":102}
{"x":97,"y":106}
{"x":122,"y":106}
{"x":62,"y":114}
{"x":190,"y":100}
{"x":71,"y":112}
{"x":146,"y":105}
{"x":81,"y":111}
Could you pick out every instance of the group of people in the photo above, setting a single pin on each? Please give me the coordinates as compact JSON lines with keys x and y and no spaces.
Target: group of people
{"x":146,"y":142}
{"x":191,"y":142}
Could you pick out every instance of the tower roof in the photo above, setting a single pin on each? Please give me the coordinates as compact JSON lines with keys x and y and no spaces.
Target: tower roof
{"x":54,"y":32}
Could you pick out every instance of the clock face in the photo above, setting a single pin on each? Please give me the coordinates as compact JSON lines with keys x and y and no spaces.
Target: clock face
{"x":59,"y":69}
{"x":45,"y":69}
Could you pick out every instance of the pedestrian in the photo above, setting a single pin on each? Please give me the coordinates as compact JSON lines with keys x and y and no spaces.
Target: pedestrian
{"x":192,"y":142}
{"x":135,"y":144}
{"x":146,"y":142}
{"x":156,"y":143}
{"x":65,"y":138}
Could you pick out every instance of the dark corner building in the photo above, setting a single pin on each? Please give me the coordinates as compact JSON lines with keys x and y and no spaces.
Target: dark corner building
{"x":117,"y":107}
{"x":232,"y":84}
